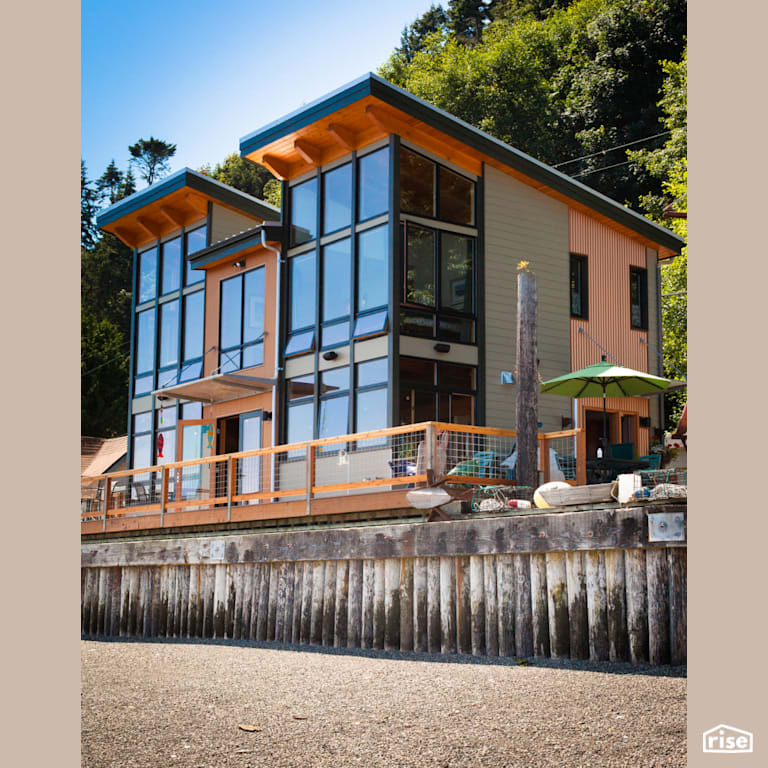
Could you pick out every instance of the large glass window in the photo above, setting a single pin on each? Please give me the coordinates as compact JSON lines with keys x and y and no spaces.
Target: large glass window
{"x":141,"y":455}
{"x":169,"y":333}
{"x":241,"y":320}
{"x":417,"y":184}
{"x":299,"y":427}
{"x":373,"y":185}
{"x":430,"y":390}
{"x":336,"y":279}
{"x":145,"y":341}
{"x":579,"y":285}
{"x":370,"y":410}
{"x":333,"y":419}
{"x":304,"y":212}
{"x":337,"y":198}
{"x":372,"y":272}
{"x":302,"y":290}
{"x":171,"y":262}
{"x":420,"y":266}
{"x":193,"y":325}
{"x":456,"y":257}
{"x":197,"y":239}
{"x":147,"y":288}
{"x":456,"y":198}
{"x":638,"y":298}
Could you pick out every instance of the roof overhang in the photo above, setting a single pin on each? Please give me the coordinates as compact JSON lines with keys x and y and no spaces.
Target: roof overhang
{"x":269,"y":232}
{"x":216,"y":388}
{"x":370,"y":108}
{"x":180,"y":200}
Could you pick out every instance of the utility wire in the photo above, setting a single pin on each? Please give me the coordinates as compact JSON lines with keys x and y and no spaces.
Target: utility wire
{"x":117,"y":357}
{"x":610,"y":149}
{"x":597,"y":170}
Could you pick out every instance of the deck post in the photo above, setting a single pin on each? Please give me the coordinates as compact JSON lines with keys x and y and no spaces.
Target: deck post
{"x":526,"y":405}
{"x":107,"y":499}
{"x":544,"y":457}
{"x":230,"y":483}
{"x":581,"y":457}
{"x":163,"y":494}
{"x":310,"y":475}
{"x":430,"y":449}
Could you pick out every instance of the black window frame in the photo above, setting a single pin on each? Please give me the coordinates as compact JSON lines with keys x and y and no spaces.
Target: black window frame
{"x":641,"y":275}
{"x":583,"y":264}
{"x":227,"y":354}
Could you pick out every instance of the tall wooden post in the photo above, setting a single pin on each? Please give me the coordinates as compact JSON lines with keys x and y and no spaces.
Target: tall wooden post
{"x":527,"y":379}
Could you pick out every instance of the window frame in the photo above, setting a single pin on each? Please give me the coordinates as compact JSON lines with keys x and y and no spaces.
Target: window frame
{"x":240,"y":349}
{"x":641,"y":274}
{"x":582,"y":261}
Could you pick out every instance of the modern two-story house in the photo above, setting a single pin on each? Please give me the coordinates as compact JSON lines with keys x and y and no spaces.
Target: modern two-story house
{"x":383,"y":292}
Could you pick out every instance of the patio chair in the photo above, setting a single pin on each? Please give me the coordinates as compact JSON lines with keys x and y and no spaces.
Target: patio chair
{"x":567,"y":465}
{"x":653,"y":460}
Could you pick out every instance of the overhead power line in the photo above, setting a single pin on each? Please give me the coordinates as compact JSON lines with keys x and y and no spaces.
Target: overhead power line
{"x":101,"y":365}
{"x":597,"y":170}
{"x":610,"y":149}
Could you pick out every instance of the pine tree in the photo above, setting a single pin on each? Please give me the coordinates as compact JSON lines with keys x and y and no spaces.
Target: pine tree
{"x":151,"y":157}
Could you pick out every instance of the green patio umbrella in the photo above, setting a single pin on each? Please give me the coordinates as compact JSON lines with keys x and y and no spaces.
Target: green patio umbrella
{"x":604,"y":380}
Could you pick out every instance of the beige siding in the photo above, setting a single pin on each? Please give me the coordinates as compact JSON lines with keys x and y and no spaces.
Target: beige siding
{"x":226,"y":222}
{"x":523,"y":224}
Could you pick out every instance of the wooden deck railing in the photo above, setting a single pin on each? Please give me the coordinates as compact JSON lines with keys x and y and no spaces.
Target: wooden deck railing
{"x":357,"y":472}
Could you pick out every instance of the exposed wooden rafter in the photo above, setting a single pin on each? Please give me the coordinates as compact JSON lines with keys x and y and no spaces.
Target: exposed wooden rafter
{"x":149,"y":226}
{"x":175,"y":217}
{"x":343,"y":136}
{"x":308,"y":151}
{"x":277,"y":166}
{"x":127,"y":236}
{"x":384,"y":120}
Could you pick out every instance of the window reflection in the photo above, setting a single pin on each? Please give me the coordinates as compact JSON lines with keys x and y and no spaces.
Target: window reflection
{"x":145,"y":341}
{"x":336,"y":279}
{"x":169,"y":333}
{"x":193,"y":325}
{"x":197,"y":239}
{"x":302,"y":290}
{"x":456,"y":198}
{"x":304,"y":212}
{"x":171,"y":265}
{"x":417,"y":184}
{"x":373,"y":184}
{"x":147,"y":275}
{"x":456,"y":256}
{"x":337,"y":198}
{"x":372,"y":272}
{"x":333,"y":419}
{"x":420,"y":266}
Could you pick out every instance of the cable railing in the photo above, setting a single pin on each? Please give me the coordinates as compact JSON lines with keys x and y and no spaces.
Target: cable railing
{"x":314,"y":477}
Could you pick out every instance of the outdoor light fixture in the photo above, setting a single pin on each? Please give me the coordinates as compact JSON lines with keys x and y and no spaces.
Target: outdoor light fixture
{"x":442,"y":347}
{"x":331,"y":355}
{"x":239,"y":264}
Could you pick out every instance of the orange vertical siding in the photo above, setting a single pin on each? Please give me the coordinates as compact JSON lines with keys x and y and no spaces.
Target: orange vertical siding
{"x":609,"y":257}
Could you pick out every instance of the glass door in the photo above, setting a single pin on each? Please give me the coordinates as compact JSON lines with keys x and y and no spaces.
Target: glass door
{"x":196,"y":438}
{"x":249,"y":475}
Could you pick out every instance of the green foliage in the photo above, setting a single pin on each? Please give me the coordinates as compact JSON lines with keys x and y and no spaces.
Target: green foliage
{"x":89,"y":203}
{"x":414,"y":35}
{"x":272,"y":192}
{"x":151,"y":157}
{"x":241,"y":174}
{"x":467,"y":19}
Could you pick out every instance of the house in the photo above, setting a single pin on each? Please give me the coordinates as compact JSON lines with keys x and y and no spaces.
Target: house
{"x":383,"y":292}
{"x":99,"y":455}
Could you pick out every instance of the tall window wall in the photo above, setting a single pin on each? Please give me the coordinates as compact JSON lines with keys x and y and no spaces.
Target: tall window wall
{"x":338,"y":291}
{"x":168,"y":332}
{"x":438,"y":240}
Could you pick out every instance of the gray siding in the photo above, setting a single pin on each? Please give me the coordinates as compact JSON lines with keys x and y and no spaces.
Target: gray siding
{"x":523,"y":224}
{"x":225,"y":223}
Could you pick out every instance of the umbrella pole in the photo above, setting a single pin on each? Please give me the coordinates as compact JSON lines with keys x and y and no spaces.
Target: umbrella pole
{"x":605,"y":428}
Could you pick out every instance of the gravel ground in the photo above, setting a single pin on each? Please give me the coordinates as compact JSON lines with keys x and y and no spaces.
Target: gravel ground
{"x":181,"y":704}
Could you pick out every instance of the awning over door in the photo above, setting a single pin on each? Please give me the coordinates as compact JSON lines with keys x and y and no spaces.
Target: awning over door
{"x":214,"y":389}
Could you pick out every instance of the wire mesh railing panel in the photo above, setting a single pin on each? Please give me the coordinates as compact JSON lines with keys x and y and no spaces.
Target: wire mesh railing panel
{"x":489,"y":458}
{"x":272,"y":474}
{"x":562,"y":458}
{"x":371,"y":464}
{"x":135,"y":491}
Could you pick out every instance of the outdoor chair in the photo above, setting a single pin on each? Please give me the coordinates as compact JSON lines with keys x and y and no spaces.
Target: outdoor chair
{"x":621,"y":451}
{"x":653,"y":460}
{"x":567,"y":465}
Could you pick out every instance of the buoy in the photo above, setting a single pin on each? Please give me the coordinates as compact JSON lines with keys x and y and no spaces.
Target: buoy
{"x":539,"y":500}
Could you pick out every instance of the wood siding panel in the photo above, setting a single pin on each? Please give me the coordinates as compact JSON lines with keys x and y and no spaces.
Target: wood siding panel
{"x":523,"y":224}
{"x":225,"y":222}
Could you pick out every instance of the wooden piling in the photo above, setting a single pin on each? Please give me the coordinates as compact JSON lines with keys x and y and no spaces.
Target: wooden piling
{"x":406,"y":604}
{"x":477,"y":604}
{"x":505,"y":594}
{"x":290,"y":597}
{"x":491,"y":606}
{"x":658,"y":605}
{"x":530,"y":628}
{"x":597,"y":602}
{"x":616,"y":605}
{"x":463,"y":606}
{"x":298,"y":593}
{"x":219,"y":599}
{"x":557,"y":589}
{"x":392,"y":604}
{"x":262,"y":615}
{"x":329,"y":600}
{"x":420,"y":604}
{"x":637,"y":604}
{"x":527,"y":383}
{"x":448,"y":605}
{"x":101,"y":601}
{"x":577,"y":605}
{"x":280,"y":602}
{"x":676,"y":568}
{"x":379,"y":614}
{"x":367,"y":604}
{"x":306,"y":602}
{"x":355,"y":605}
{"x":316,"y":620}
{"x":274,"y":585}
{"x":341,"y":607}
{"x":433,"y":604}
{"x":125,"y":599}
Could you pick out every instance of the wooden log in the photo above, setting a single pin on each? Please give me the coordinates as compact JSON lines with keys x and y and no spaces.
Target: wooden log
{"x":448,"y":605}
{"x":367,"y":606}
{"x":637,"y":605}
{"x":420,"y":604}
{"x":298,"y":592}
{"x":134,"y":581}
{"x":524,"y":625}
{"x":477,"y":604}
{"x":597,"y":606}
{"x":329,"y":602}
{"x":219,"y":598}
{"x":406,"y":604}
{"x":392,"y":604}
{"x":316,"y":621}
{"x":491,"y":606}
{"x":274,"y":586}
{"x":230,"y":593}
{"x":658,"y":605}
{"x":527,"y":380}
{"x":115,"y":602}
{"x":101,"y":601}
{"x":192,"y":599}
{"x":209,"y":600}
{"x":146,"y":601}
{"x":290,"y":597}
{"x":463,"y":606}
{"x":306,"y":602}
{"x":251,"y":613}
{"x":85,"y":606}
{"x":355,"y":605}
{"x":182,"y":600}
{"x":676,"y":565}
{"x":162,"y":605}
{"x":505,"y":594}
{"x":341,"y":607}
{"x":616,"y":605}
{"x":557,"y":590}
{"x":539,"y":599}
{"x":379,"y":611}
{"x":577,"y":605}
{"x":170,"y":599}
{"x":262,"y":614}
{"x":433,"y":604}
{"x":108,"y":574}
{"x":83,"y":582}
{"x":238,"y":576}
{"x":92,"y":601}
{"x":282,"y":594}
{"x":125,"y":599}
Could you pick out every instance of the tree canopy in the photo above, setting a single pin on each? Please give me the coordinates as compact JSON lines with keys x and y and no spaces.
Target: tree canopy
{"x":151,"y":156}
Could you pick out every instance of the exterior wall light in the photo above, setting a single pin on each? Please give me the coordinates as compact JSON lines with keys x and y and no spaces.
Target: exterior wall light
{"x":442,"y":347}
{"x":331,"y":355}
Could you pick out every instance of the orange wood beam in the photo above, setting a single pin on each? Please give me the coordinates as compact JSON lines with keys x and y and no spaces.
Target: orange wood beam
{"x":384,"y":120}
{"x":308,"y":151}
{"x":343,"y":136}
{"x":175,"y":217}
{"x":148,"y":226}
{"x":127,"y":236}
{"x":277,"y":166}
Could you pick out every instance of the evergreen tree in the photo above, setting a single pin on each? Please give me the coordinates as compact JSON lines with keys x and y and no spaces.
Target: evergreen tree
{"x":241,"y":174}
{"x":89,"y":199}
{"x":467,"y":18}
{"x":151,"y":156}
{"x":413,"y":36}
{"x":110,"y":183}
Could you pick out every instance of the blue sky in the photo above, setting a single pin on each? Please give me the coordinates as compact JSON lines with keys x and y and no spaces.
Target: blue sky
{"x":202,"y":74}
